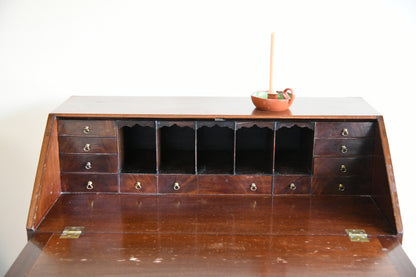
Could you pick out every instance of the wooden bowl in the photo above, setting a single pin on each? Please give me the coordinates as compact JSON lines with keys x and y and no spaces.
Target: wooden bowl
{"x":262,"y":101}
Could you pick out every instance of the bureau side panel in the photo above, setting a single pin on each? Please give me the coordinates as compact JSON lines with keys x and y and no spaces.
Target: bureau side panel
{"x":47,"y":187}
{"x":384,"y":190}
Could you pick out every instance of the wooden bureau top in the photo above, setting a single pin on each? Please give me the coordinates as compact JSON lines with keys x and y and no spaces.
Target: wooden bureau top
{"x":211,"y":107}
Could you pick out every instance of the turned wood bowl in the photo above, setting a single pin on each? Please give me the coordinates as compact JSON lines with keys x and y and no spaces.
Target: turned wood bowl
{"x":281,"y":101}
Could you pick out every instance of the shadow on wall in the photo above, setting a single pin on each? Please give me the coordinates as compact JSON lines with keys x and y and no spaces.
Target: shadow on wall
{"x":21,"y":136}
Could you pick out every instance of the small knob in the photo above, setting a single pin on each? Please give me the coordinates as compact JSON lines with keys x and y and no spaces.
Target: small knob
{"x":88,"y":165}
{"x":138,"y":186}
{"x":341,"y":187}
{"x":343,"y":168}
{"x":253,"y":187}
{"x":344,"y":149}
{"x":292,"y":186}
{"x":87,"y":147}
{"x":89,"y":185}
{"x":86,"y":130}
{"x":176,"y":186}
{"x":344,"y":132}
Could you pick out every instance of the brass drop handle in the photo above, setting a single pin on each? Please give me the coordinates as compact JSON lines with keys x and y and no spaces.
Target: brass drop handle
{"x":253,"y":187}
{"x":344,"y":149}
{"x":344,"y":132}
{"x":86,"y":130}
{"x":87,"y":147}
{"x":341,"y":187}
{"x":343,"y":168}
{"x":176,"y":186}
{"x":138,"y":186}
{"x":88,"y":165}
{"x":89,"y":185}
{"x":292,"y":186}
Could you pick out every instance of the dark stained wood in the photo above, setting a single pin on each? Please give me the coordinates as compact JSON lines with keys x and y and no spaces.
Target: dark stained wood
{"x":211,"y":255}
{"x":260,"y":124}
{"x":97,"y":128}
{"x":349,"y":185}
{"x":240,"y":184}
{"x":300,"y":124}
{"x":164,"y":123}
{"x":187,"y":183}
{"x":301,"y":184}
{"x":128,"y":183}
{"x":71,"y":145}
{"x":334,"y":129}
{"x":212,"y":107}
{"x":398,"y":257}
{"x":384,"y":190}
{"x":132,"y":123}
{"x":22,"y":266}
{"x":75,"y":182}
{"x":345,"y":166}
{"x":332,"y":147}
{"x":216,"y":214}
{"x":99,"y":163}
{"x":220,"y":123}
{"x":47,"y":187}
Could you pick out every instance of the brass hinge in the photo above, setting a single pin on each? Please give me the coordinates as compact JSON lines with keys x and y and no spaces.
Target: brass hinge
{"x":71,"y":232}
{"x":357,"y":235}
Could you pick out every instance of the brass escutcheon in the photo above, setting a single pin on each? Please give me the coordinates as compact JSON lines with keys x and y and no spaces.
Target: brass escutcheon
{"x":87,"y":147}
{"x":88,"y":165}
{"x":86,"y":130}
{"x":341,"y":187}
{"x":343,"y":168}
{"x":89,"y":185}
{"x":344,"y":149}
{"x":138,"y":186}
{"x":253,"y":187}
{"x":292,"y":186}
{"x":176,"y":186}
{"x":344,"y":132}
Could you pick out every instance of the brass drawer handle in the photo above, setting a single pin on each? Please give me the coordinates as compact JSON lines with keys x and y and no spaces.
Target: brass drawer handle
{"x":88,"y":165}
{"x":176,"y":186}
{"x":86,"y":130}
{"x":87,"y":147}
{"x":341,"y":187}
{"x":138,"y":186}
{"x":89,"y":185}
{"x":344,"y":149}
{"x":343,"y":168}
{"x":253,"y":187}
{"x":344,"y":132}
{"x":292,"y":186}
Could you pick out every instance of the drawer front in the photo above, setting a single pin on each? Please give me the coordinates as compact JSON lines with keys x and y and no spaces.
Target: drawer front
{"x":342,"y":166}
{"x":89,"y":163}
{"x":344,"y":129}
{"x":341,"y":186}
{"x":87,"y":145}
{"x":89,"y":182}
{"x":292,"y":185}
{"x":91,"y":128}
{"x":343,"y":147}
{"x":170,"y":183}
{"x":228,"y":184}
{"x":138,"y":183}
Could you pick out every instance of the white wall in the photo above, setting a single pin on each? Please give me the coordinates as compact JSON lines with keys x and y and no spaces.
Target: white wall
{"x":52,"y":49}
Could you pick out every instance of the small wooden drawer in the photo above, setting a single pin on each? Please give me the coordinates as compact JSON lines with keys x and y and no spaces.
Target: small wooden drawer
{"x":343,"y":147}
{"x":229,"y":184}
{"x":344,"y":129}
{"x":170,"y":183}
{"x":341,"y":185}
{"x":89,"y":163}
{"x":138,"y":183}
{"x":91,"y":128}
{"x":87,"y":145}
{"x":89,"y":182}
{"x":347,"y":166}
{"x":292,"y":184}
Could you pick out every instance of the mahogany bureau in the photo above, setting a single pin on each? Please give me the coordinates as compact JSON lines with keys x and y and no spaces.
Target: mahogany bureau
{"x":190,"y":186}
